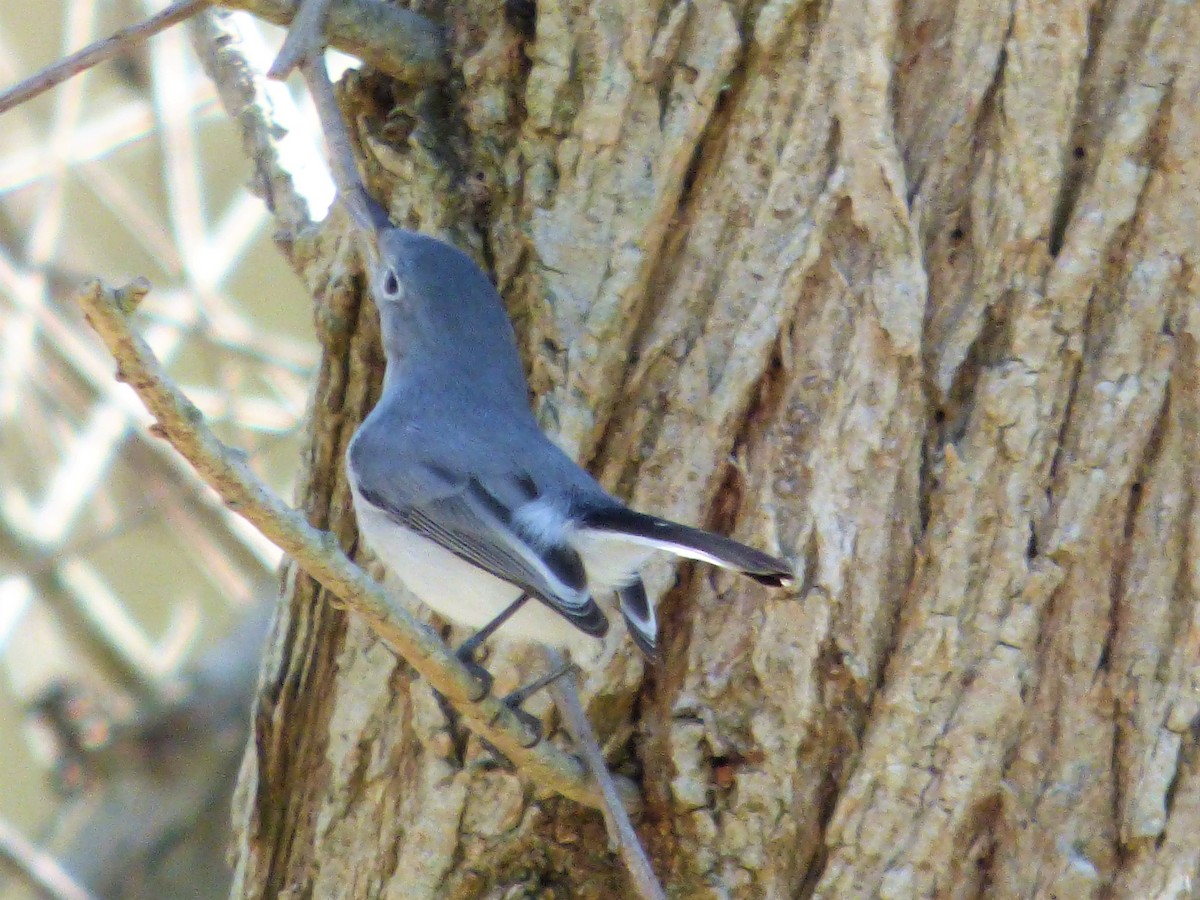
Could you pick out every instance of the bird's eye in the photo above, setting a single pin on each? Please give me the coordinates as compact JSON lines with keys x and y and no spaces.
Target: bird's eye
{"x":390,"y":286}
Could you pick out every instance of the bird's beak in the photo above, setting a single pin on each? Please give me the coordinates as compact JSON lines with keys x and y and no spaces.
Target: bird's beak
{"x":370,"y":220}
{"x":379,"y":220}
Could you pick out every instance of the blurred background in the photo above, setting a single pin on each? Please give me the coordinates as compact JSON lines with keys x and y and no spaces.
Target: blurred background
{"x":132,"y":604}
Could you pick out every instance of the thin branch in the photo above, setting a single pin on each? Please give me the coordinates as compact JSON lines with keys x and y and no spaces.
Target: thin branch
{"x":37,"y":867}
{"x":305,"y":38}
{"x":341,"y":156}
{"x":305,"y":46}
{"x":264,"y":114}
{"x":96,"y":53}
{"x":318,"y":553}
{"x":620,"y":830}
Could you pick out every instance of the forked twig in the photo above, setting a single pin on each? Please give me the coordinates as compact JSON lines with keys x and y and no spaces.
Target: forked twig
{"x":367,"y":217}
{"x":394,"y":40}
{"x":305,"y":47}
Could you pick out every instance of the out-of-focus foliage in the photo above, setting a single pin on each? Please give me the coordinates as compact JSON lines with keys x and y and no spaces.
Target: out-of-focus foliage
{"x":117,"y":567}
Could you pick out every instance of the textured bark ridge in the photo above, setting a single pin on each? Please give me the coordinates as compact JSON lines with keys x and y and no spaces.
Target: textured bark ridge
{"x":906,"y":292}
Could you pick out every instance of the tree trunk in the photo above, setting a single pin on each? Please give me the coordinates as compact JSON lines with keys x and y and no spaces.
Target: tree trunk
{"x":905,"y":292}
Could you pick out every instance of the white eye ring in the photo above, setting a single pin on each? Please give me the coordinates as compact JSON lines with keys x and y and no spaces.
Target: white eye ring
{"x":390,"y":286}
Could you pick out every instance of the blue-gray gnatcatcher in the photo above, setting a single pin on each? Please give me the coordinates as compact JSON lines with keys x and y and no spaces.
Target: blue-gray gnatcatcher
{"x":459,"y":493}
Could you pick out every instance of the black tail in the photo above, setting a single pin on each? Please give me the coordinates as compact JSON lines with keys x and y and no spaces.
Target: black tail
{"x":692,"y":543}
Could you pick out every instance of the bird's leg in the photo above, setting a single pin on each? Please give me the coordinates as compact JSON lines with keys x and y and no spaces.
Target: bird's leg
{"x":521,"y":694}
{"x":514,"y":700}
{"x":467,"y":649}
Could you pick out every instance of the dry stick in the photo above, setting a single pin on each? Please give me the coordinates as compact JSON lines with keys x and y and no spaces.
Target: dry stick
{"x":37,"y":867}
{"x":218,"y":37}
{"x":318,"y":553}
{"x":98,"y":52}
{"x":616,"y":819}
{"x":341,"y":156}
{"x":305,"y":47}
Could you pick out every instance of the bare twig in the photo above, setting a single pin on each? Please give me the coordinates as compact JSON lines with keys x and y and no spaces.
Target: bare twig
{"x":319,"y":554}
{"x":305,"y":47}
{"x":341,"y":157}
{"x":98,"y":52}
{"x":264,"y":114}
{"x":305,"y":38}
{"x":38,"y":868}
{"x":620,"y":830}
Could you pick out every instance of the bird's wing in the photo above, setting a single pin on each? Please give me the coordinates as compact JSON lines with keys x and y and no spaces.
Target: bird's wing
{"x":468,"y":518}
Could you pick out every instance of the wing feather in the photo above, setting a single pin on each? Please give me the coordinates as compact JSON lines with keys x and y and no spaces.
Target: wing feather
{"x":471,"y":522}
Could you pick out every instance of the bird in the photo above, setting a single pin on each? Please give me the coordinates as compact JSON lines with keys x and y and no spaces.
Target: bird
{"x":461,"y":495}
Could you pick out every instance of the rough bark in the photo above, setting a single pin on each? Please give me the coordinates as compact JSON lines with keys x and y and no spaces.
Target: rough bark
{"x":904,"y":291}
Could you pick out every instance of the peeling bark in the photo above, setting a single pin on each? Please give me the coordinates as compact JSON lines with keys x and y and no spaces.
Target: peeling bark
{"x":905,"y":292}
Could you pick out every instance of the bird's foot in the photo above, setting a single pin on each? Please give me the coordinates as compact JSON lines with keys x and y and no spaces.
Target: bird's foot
{"x":514,"y":700}
{"x":466,"y":656}
{"x":467,"y":649}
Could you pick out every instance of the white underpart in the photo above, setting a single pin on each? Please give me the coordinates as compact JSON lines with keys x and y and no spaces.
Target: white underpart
{"x":455,"y":589}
